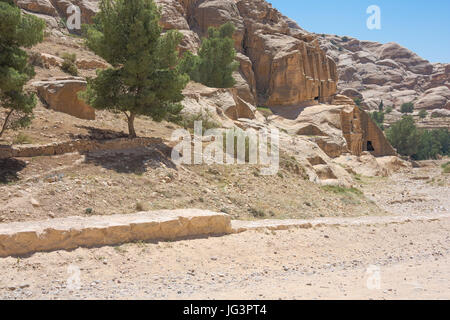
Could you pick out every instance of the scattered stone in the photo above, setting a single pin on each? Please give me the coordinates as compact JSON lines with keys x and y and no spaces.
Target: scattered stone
{"x":35,"y":203}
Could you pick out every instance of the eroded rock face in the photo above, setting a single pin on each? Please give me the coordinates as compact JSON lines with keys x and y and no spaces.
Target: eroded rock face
{"x":38,"y":6}
{"x":281,"y":64}
{"x":362,"y":133}
{"x":338,"y":129}
{"x":435,"y":98}
{"x":289,"y":66}
{"x":387,"y":72}
{"x":369,"y":166}
{"x":221,"y":104}
{"x":60,"y":94}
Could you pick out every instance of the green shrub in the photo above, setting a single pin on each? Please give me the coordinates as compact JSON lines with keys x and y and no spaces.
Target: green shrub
{"x":435,"y":115}
{"x":239,"y":135}
{"x":407,"y":107}
{"x":22,"y":138}
{"x":403,"y":136}
{"x":257,"y":213}
{"x":389,"y":110}
{"x":266,"y":112}
{"x":342,"y":190}
{"x":35,"y":59}
{"x":69,"y":65}
{"x":187,"y":121}
{"x":418,"y":144}
{"x":446,"y":167}
{"x":423,"y":114}
{"x":378,"y":117}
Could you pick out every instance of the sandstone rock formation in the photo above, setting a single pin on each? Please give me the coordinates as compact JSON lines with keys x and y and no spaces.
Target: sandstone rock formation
{"x":387,"y":72}
{"x":51,"y":60}
{"x":220,"y":104}
{"x":339,"y":128}
{"x":89,"y":64}
{"x":38,"y":6}
{"x":60,"y":94}
{"x":368,"y":165}
{"x":281,"y":64}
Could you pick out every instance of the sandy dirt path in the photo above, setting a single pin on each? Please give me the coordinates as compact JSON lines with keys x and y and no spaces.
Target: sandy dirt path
{"x":408,"y":260}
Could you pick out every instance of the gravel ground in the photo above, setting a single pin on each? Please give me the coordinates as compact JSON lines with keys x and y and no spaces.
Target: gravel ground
{"x":400,"y":260}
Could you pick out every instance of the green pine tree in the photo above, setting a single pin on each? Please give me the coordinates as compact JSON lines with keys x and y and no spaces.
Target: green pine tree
{"x":16,"y":31}
{"x":215,"y":63}
{"x":144,"y":79}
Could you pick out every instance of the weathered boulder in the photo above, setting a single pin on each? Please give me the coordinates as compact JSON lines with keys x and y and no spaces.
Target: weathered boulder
{"x":440,"y":113}
{"x":190,"y":42}
{"x":89,"y":64}
{"x":38,"y":6}
{"x":61,"y":94}
{"x":214,"y":13}
{"x":368,"y":165}
{"x":365,"y":165}
{"x":173,"y":15}
{"x":222,"y":105}
{"x":352,"y":93}
{"x":88,"y":8}
{"x":51,"y":60}
{"x":339,"y":128}
{"x":435,"y":98}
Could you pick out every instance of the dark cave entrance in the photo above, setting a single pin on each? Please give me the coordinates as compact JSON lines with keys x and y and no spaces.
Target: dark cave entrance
{"x":318,"y":96}
{"x":370,"y":146}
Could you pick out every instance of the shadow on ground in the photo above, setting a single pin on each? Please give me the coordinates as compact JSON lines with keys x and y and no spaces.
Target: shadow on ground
{"x":98,"y":134}
{"x":9,"y":170}
{"x":136,"y":160}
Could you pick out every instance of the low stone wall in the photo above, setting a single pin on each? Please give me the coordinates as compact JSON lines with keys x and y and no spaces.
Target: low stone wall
{"x":21,"y":238}
{"x":57,"y":148}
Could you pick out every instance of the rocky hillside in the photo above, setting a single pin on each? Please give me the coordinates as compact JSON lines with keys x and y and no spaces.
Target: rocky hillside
{"x":284,"y":65}
{"x":281,"y":64}
{"x":388,"y":72}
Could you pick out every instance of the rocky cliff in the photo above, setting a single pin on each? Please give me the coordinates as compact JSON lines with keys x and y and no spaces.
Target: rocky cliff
{"x":281,"y":64}
{"x":388,"y":72}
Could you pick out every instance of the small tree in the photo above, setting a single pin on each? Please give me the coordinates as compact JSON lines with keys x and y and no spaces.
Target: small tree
{"x":378,"y":117}
{"x":423,"y":114}
{"x":404,"y":136}
{"x":407,"y":107}
{"x":17,"y":31}
{"x":215,"y":63}
{"x":381,"y":106}
{"x":69,"y":64}
{"x":144,"y":79}
{"x":429,"y":147}
{"x":358,"y":102}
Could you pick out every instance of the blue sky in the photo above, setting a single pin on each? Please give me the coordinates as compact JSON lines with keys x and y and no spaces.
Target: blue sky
{"x":422,"y":26}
